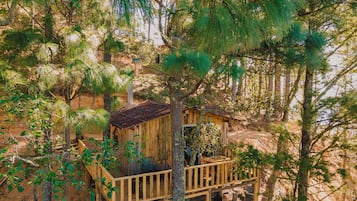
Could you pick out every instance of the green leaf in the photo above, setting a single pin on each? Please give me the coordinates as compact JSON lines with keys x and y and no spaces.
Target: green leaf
{"x":20,"y":189}
{"x":92,"y":196}
{"x":23,"y":133}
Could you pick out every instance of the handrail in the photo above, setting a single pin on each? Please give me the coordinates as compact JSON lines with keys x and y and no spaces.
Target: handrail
{"x":158,"y":185}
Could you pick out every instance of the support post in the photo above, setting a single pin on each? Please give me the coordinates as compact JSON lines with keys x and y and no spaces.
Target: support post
{"x":114,"y":194}
{"x":98,"y":195}
{"x":208,"y":196}
{"x":256,"y":185}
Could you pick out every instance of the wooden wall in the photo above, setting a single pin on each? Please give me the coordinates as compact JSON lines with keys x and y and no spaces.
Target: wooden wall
{"x":154,"y":140}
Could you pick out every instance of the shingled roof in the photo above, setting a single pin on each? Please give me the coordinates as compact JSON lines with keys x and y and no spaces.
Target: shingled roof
{"x":131,"y":116}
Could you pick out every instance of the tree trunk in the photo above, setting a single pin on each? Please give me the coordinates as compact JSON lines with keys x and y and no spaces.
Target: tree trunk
{"x":307,"y":118}
{"x":286,"y":96}
{"x":131,"y":93}
{"x":35,"y":198}
{"x":48,"y":23}
{"x":269,"y":93}
{"x":234,"y":90}
{"x":260,"y":85}
{"x":67,"y":146}
{"x":67,"y":159}
{"x":277,"y":91}
{"x":47,"y":186}
{"x":270,"y":187}
{"x":107,"y":57}
{"x":240,"y":84}
{"x":178,"y":144}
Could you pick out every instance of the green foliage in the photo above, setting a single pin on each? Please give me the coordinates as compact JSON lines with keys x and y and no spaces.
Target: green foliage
{"x":126,"y":8}
{"x":194,"y":61}
{"x":104,"y":154}
{"x":342,"y":108}
{"x":227,"y":26}
{"x":314,"y":44}
{"x":250,"y":158}
{"x":232,"y":69}
{"x":205,"y":137}
{"x":12,"y":175}
{"x":84,"y":117}
{"x":15,"y":46}
{"x":113,"y":45}
{"x":342,"y":172}
{"x":320,"y":170}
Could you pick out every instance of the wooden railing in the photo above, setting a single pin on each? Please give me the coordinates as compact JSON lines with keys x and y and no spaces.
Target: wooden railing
{"x":199,"y":180}
{"x":100,"y":175}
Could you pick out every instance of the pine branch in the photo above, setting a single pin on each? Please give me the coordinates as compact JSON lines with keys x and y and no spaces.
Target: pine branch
{"x":295,"y":86}
{"x":332,"y":192}
{"x":30,"y":15}
{"x":27,"y":161}
{"x":193,"y":90}
{"x":323,"y":132}
{"x":334,"y":80}
{"x":351,"y":35}
{"x":313,"y":12}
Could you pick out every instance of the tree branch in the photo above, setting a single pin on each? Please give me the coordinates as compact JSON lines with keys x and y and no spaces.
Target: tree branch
{"x":164,"y":37}
{"x":334,"y":80}
{"x":193,"y":90}
{"x":351,"y":35}
{"x":11,"y":16}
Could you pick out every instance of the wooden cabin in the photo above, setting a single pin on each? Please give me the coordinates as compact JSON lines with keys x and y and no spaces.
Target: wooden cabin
{"x":146,"y":128}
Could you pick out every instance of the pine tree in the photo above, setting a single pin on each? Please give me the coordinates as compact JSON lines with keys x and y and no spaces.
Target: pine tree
{"x":216,"y":28}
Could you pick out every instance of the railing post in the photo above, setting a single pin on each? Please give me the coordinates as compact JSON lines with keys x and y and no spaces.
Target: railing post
{"x":256,"y":185}
{"x":208,"y":196}
{"x":114,"y":193}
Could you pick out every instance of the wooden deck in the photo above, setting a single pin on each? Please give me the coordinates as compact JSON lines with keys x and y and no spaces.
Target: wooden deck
{"x":200,"y":180}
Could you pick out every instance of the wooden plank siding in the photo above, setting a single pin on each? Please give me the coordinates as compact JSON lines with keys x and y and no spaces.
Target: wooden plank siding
{"x":154,"y":139}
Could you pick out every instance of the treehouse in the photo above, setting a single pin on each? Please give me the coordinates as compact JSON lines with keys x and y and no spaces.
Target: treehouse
{"x":146,"y":175}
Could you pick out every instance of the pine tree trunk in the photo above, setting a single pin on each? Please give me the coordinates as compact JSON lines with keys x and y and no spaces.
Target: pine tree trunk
{"x":67,"y":140}
{"x":107,"y":57}
{"x":240,"y":84}
{"x":260,"y":85}
{"x":131,"y":93}
{"x":67,"y":159}
{"x":234,"y":90}
{"x":269,"y":93}
{"x":47,"y":186}
{"x":270,"y":187}
{"x":307,"y":118}
{"x":178,"y":144}
{"x":277,"y":91}
{"x":35,"y":198}
{"x":286,"y":96}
